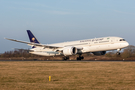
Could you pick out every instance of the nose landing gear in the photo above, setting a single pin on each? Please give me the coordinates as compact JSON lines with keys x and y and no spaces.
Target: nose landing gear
{"x":118,"y":52}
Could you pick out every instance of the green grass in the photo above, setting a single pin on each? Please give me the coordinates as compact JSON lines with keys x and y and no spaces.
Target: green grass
{"x":31,"y":75}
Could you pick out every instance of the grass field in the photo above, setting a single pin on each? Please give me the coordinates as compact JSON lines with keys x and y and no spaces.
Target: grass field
{"x":33,"y":75}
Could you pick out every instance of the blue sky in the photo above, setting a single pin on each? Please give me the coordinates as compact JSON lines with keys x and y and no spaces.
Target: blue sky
{"x":54,"y":21}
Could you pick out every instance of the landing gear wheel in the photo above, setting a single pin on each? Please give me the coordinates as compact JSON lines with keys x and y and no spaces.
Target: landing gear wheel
{"x":80,"y":57}
{"x":65,"y":58}
{"x":118,"y":53}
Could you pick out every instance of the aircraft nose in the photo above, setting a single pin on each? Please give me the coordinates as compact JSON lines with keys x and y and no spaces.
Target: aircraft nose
{"x":126,"y":44}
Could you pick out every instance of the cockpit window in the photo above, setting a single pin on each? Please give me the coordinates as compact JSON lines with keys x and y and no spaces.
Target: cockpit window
{"x":122,"y":40}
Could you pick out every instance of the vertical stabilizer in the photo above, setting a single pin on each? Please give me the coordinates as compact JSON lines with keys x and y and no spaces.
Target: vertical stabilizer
{"x":32,"y":38}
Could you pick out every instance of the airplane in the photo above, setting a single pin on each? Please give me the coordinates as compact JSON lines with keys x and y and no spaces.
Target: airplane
{"x":97,"y":46}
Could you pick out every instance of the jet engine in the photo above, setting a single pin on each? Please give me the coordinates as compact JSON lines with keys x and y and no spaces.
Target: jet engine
{"x":69,"y":51}
{"x":99,"y":53}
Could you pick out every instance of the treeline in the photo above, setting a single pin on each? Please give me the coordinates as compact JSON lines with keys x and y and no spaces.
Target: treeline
{"x":17,"y":53}
{"x":128,"y":52}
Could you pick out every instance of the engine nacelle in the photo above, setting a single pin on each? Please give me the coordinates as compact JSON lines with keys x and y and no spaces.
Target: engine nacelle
{"x":99,"y":53}
{"x":69,"y":51}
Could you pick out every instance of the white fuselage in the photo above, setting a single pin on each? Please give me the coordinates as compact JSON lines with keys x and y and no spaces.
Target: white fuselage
{"x":84,"y":46}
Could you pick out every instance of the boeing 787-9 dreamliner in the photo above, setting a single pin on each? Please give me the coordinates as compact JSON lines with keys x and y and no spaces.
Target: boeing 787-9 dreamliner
{"x":97,"y":46}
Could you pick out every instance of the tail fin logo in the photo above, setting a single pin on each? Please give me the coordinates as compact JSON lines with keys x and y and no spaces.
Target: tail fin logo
{"x":33,"y":39}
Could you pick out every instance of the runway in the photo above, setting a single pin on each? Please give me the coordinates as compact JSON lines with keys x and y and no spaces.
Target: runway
{"x":76,"y":60}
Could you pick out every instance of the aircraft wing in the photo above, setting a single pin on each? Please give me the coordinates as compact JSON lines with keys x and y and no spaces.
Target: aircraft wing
{"x":34,"y":44}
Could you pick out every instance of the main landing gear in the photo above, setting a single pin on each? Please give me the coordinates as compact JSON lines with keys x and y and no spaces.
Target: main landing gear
{"x":80,"y":57}
{"x":65,"y":58}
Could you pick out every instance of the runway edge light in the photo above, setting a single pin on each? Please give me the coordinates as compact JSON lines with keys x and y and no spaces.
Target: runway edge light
{"x":49,"y":78}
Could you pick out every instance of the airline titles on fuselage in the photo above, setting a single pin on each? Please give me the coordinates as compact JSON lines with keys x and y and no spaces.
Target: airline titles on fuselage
{"x":92,"y":40}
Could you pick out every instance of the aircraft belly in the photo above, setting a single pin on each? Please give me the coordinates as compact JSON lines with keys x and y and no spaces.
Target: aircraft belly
{"x":104,"y":47}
